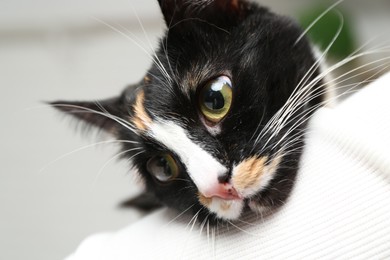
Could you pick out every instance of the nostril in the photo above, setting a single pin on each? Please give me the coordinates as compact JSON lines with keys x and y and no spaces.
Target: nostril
{"x":223,"y":179}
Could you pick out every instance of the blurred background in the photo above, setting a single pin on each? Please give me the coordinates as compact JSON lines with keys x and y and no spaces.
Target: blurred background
{"x":50,"y":197}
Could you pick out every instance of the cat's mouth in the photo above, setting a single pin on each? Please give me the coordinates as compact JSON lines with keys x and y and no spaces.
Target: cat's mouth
{"x":226,"y":207}
{"x":224,"y":200}
{"x":225,"y":191}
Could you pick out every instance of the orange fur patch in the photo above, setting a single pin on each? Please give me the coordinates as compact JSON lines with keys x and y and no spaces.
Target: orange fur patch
{"x":204,"y":200}
{"x":147,"y":80}
{"x":141,"y":119}
{"x":248,"y":172}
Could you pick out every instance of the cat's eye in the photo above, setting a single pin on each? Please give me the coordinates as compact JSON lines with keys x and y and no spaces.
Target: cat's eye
{"x":163,"y":167}
{"x":215,"y":99}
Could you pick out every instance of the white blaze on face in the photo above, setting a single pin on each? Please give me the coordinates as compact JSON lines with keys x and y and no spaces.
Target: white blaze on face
{"x":203,"y":168}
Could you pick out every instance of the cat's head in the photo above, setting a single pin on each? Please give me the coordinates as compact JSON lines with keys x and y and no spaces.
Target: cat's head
{"x":211,"y":127}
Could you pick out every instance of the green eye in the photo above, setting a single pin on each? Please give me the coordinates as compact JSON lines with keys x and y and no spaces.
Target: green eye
{"x":215,"y":99}
{"x":163,"y":167}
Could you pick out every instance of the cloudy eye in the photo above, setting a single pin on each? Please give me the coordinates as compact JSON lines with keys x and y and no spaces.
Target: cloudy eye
{"x":163,"y":167}
{"x":215,"y":99}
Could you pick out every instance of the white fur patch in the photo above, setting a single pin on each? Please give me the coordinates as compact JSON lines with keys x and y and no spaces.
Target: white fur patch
{"x":203,"y":168}
{"x":226,"y":209}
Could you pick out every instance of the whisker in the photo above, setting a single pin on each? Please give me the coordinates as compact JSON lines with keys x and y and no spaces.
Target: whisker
{"x":241,"y":229}
{"x":164,"y":46}
{"x":180,"y":179}
{"x":213,"y":238}
{"x":358,"y":74}
{"x":178,"y":216}
{"x":83,"y":148}
{"x":246,"y":223}
{"x":199,"y":20}
{"x":193,"y":220}
{"x":129,"y":159}
{"x":208,"y":232}
{"x":193,"y":223}
{"x":258,"y":126}
{"x":203,"y":224}
{"x":158,"y":65}
{"x":115,"y":157}
{"x":316,"y":20}
{"x":297,"y":91}
{"x":185,"y":188}
{"x":164,"y":72}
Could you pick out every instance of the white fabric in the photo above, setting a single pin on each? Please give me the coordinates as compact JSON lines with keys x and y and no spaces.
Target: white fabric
{"x":339,"y":208}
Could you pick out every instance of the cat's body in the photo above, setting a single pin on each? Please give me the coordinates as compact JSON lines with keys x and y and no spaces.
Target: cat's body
{"x":217,"y":124}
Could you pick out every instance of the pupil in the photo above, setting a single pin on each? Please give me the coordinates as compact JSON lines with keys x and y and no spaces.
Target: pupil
{"x":214,"y":100}
{"x":164,"y":167}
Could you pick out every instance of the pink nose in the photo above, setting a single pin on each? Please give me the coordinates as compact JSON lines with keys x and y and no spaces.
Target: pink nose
{"x":223,"y":190}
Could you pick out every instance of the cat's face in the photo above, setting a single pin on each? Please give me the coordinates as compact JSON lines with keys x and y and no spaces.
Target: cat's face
{"x":206,"y":125}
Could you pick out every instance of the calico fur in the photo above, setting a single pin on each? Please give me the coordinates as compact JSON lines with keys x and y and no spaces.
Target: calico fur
{"x":254,"y":151}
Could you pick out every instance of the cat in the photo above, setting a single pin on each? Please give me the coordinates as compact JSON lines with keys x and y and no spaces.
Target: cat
{"x":216,"y":126}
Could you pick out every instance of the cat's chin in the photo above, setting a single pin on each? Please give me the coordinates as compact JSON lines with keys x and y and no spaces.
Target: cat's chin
{"x":226,"y":209}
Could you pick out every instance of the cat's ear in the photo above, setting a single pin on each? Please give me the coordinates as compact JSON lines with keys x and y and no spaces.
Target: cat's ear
{"x":100,"y":114}
{"x":105,"y":114}
{"x":218,"y":12}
